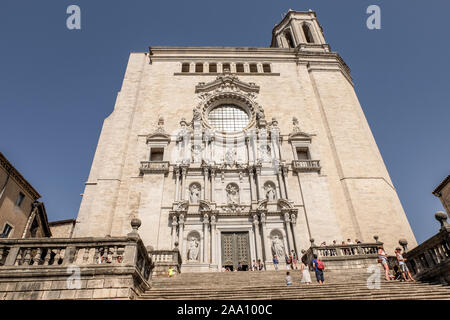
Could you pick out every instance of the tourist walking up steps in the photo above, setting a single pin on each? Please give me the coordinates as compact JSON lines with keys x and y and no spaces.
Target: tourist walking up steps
{"x":275,"y":262}
{"x":305,"y":276}
{"x":403,"y":266}
{"x":318,"y":268}
{"x":288,"y":279}
{"x":382,"y":258}
{"x":294,"y":260}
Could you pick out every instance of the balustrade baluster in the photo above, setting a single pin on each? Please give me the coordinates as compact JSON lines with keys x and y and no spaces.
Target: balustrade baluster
{"x":37,"y":257}
{"x":18,"y":261}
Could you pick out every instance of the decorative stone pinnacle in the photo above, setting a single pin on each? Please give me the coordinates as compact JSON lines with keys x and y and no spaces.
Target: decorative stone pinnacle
{"x":403,"y":243}
{"x":376,"y":238}
{"x":135,"y":224}
{"x":442,"y":218}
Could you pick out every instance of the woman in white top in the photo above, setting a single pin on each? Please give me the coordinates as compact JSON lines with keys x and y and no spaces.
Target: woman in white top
{"x":382,"y":258}
{"x":306,"y":277}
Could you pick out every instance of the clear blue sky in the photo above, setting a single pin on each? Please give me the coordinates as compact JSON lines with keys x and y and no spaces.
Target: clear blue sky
{"x":57,"y":85}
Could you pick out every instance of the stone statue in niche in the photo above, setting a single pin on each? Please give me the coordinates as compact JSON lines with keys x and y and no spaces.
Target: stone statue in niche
{"x":232,"y":194}
{"x":194,"y":195}
{"x":270,"y":192}
{"x":197,"y":153}
{"x":265,"y":152}
{"x":193,"y":249}
{"x":278,"y":246}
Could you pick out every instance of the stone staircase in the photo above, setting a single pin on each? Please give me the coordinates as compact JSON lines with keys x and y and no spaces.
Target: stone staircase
{"x":253,"y":285}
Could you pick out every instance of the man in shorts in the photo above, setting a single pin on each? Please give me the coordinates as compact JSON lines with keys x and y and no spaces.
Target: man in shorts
{"x":402,"y":264}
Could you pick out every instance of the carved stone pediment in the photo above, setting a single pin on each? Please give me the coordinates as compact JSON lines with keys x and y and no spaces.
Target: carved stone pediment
{"x":262,"y":204}
{"x":181,"y":205}
{"x":284,"y":204}
{"x":226,"y":82}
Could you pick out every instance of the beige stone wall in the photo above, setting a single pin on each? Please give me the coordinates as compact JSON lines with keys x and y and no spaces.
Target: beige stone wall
{"x":352,"y":196}
{"x":445,"y":197}
{"x":62,"y":229}
{"x":15,"y":216}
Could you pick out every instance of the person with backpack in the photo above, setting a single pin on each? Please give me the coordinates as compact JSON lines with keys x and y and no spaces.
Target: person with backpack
{"x":318,"y":268}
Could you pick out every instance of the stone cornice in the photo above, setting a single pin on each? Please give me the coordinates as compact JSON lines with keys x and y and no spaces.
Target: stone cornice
{"x":15,"y":174}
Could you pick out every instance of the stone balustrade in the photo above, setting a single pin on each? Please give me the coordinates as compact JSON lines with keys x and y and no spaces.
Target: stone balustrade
{"x":105,"y":268}
{"x":154,"y":167}
{"x":306,"y":165}
{"x":343,"y":256}
{"x":430,"y":261}
{"x":164,"y":259}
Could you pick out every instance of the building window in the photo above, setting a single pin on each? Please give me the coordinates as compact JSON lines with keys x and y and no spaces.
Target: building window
{"x":308,"y":35}
{"x":239,"y":67}
{"x":213,"y":67}
{"x":226,"y":67}
{"x":228,"y":118}
{"x":6,"y":231}
{"x":266,"y":68}
{"x":302,"y":154}
{"x":289,"y":39}
{"x":20,"y":198}
{"x":253,"y":67}
{"x":157,"y":154}
{"x":185,"y":67}
{"x":199,"y":67}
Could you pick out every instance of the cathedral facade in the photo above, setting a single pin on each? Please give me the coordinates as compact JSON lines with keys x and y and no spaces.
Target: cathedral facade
{"x":235,"y":154}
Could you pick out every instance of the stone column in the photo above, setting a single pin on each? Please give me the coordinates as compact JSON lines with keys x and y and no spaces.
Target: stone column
{"x":252,"y":184}
{"x":296,"y":239}
{"x":205,"y":183}
{"x":181,"y":236}
{"x":258,"y":181}
{"x":287,"y":223}
{"x":265,"y":240}
{"x":174,"y":230}
{"x":213,"y":183}
{"x":257,"y":237}
{"x":177,"y":183}
{"x":205,"y":238}
{"x":280,"y":185}
{"x":183,"y":182}
{"x":285,"y":172}
{"x":213,"y":240}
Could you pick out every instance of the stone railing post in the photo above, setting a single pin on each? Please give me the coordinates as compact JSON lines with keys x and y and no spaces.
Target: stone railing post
{"x":12,"y":255}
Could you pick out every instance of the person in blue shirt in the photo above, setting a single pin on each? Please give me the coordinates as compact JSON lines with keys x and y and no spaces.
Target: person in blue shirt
{"x":318,"y":268}
{"x":275,"y":262}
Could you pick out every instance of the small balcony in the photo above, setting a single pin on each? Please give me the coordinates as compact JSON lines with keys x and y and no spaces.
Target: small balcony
{"x":154,"y":167}
{"x":306,"y":165}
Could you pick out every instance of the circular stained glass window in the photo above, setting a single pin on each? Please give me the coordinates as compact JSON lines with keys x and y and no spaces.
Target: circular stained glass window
{"x":228,"y":118}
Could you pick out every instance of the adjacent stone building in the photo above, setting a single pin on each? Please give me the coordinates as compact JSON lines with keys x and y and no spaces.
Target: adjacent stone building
{"x":234,"y":154}
{"x":442,"y":191}
{"x":21,"y":214}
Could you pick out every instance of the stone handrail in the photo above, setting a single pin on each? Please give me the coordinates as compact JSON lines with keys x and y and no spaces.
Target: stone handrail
{"x":53,"y":252}
{"x":163,"y":259}
{"x":431,"y":259}
{"x":332,"y":253}
{"x":154,"y":167}
{"x":306,"y":165}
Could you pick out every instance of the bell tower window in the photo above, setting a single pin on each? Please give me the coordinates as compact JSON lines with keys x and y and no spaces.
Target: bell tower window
{"x":308,"y":35}
{"x":289,"y":39}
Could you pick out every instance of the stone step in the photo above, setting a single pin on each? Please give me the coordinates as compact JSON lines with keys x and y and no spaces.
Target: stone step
{"x":345,"y":284}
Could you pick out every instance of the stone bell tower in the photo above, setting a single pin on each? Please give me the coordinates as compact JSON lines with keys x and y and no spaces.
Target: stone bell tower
{"x":299,"y":30}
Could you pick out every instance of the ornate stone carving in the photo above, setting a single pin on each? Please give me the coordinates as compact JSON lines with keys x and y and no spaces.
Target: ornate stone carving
{"x":232,"y":193}
{"x":194,"y":193}
{"x":193,"y":248}
{"x":270,"y":191}
{"x":277,"y":245}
